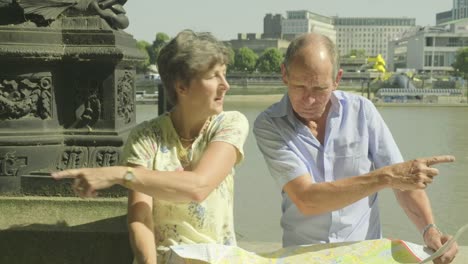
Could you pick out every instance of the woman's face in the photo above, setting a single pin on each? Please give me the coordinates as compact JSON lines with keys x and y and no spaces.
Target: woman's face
{"x":205,"y":93}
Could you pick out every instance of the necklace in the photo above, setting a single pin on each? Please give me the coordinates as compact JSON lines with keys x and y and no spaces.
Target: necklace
{"x":187,"y":139}
{"x":190,"y":140}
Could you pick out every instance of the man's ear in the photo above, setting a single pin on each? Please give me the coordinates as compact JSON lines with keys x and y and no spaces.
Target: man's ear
{"x":339,"y":74}
{"x":284,"y":74}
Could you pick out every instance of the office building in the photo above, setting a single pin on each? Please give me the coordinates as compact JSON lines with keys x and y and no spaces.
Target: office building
{"x":254,"y":42}
{"x":459,"y":11}
{"x":302,"y":21}
{"x":272,"y":26}
{"x":370,"y":34}
{"x":430,"y":49}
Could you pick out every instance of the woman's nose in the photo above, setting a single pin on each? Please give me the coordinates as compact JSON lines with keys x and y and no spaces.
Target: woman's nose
{"x":225,"y":83}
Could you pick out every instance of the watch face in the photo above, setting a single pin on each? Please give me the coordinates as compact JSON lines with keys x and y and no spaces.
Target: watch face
{"x":129,"y":176}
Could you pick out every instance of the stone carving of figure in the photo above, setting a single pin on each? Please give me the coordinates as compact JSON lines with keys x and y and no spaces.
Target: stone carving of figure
{"x":47,"y":10}
{"x":112,"y":11}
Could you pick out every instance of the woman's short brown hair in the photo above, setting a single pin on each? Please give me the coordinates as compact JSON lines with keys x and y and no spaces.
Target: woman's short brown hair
{"x":187,"y":55}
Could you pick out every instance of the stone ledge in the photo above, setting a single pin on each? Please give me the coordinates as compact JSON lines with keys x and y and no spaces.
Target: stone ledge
{"x":73,"y":230}
{"x":66,"y":213}
{"x":63,"y":230}
{"x":29,"y":247}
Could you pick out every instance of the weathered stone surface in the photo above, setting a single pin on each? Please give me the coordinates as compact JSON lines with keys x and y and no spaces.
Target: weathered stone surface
{"x":63,"y":230}
{"x":66,"y":99}
{"x":43,"y":13}
{"x":74,"y":230}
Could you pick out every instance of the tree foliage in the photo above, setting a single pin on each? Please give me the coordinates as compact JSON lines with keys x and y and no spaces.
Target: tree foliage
{"x":461,"y":62}
{"x":270,"y":61}
{"x":245,"y":60}
{"x":151,"y":51}
{"x":143,"y":46}
{"x":232,"y":59}
{"x":158,"y":43}
{"x":357,"y":53}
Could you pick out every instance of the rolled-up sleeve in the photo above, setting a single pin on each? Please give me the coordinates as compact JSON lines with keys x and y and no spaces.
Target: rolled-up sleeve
{"x":233,"y":129}
{"x":284,"y":165}
{"x":141,"y":146}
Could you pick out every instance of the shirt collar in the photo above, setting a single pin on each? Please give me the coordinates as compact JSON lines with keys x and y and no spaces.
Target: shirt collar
{"x":337,"y":100}
{"x":280,"y":108}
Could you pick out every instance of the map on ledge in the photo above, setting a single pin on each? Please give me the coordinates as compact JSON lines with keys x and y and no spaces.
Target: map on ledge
{"x":368,"y":251}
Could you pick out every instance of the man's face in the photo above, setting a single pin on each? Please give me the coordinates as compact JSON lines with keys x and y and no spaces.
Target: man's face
{"x":310,"y":84}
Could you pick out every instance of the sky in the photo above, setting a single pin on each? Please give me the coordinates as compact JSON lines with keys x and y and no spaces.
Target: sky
{"x":224,"y":19}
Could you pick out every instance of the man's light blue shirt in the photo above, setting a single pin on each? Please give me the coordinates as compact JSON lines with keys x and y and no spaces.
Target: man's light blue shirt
{"x":356,"y":141}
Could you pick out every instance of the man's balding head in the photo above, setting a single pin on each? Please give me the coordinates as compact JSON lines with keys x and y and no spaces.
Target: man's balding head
{"x":312,"y":44}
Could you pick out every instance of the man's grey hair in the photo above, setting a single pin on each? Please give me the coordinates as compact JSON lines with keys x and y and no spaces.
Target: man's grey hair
{"x":186,"y":56}
{"x":305,"y":39}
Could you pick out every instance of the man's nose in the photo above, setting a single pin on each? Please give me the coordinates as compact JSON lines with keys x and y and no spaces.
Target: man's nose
{"x":309,"y":98}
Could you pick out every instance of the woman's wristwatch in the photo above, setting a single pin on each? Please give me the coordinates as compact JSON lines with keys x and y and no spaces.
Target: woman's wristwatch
{"x":129,"y":177}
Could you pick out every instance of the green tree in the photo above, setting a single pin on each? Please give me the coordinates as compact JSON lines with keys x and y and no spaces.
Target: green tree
{"x":158,"y":43}
{"x":357,"y":53}
{"x":461,"y":62}
{"x":245,"y":60}
{"x":232,"y":59}
{"x":461,"y":65}
{"x":270,"y":61}
{"x":143,"y":46}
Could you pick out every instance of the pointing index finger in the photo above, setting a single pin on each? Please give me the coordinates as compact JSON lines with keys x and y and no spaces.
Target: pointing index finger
{"x":439,"y":159}
{"x":65,"y":174}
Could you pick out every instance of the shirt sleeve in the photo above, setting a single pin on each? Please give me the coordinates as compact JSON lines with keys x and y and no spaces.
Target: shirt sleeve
{"x":382,"y":147}
{"x":141,"y":145}
{"x":233,"y":128}
{"x":284,"y":165}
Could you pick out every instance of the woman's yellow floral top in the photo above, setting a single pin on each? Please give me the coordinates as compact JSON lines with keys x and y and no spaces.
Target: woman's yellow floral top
{"x":155,"y":144}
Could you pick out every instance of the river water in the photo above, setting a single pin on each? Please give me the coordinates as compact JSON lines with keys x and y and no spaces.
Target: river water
{"x":419,"y":131}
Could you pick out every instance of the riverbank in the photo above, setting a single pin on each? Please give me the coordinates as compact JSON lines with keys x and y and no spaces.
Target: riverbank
{"x":276,"y":97}
{"x":253,"y":98}
{"x":421,"y":104}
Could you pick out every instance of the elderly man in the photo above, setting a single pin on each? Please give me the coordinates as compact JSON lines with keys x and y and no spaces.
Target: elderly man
{"x":321,"y":145}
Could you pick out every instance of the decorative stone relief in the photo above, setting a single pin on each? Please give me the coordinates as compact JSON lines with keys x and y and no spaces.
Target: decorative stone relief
{"x":88,"y":102}
{"x":26,"y":96}
{"x":125,"y":96}
{"x":43,"y":12}
{"x":72,"y":158}
{"x":10,"y":164}
{"x":104,"y":157}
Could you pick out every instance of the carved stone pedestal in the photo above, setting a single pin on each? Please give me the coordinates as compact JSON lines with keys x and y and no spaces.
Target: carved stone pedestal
{"x":66,"y":98}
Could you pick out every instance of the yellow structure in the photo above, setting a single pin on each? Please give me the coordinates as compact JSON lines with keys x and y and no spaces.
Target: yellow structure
{"x":379,"y":63}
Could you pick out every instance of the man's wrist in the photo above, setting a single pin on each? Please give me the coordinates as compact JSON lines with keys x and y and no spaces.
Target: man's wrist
{"x":428,"y":227}
{"x":383,"y":176}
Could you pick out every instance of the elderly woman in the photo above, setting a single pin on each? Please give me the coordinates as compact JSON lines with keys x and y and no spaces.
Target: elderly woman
{"x":180,"y":164}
